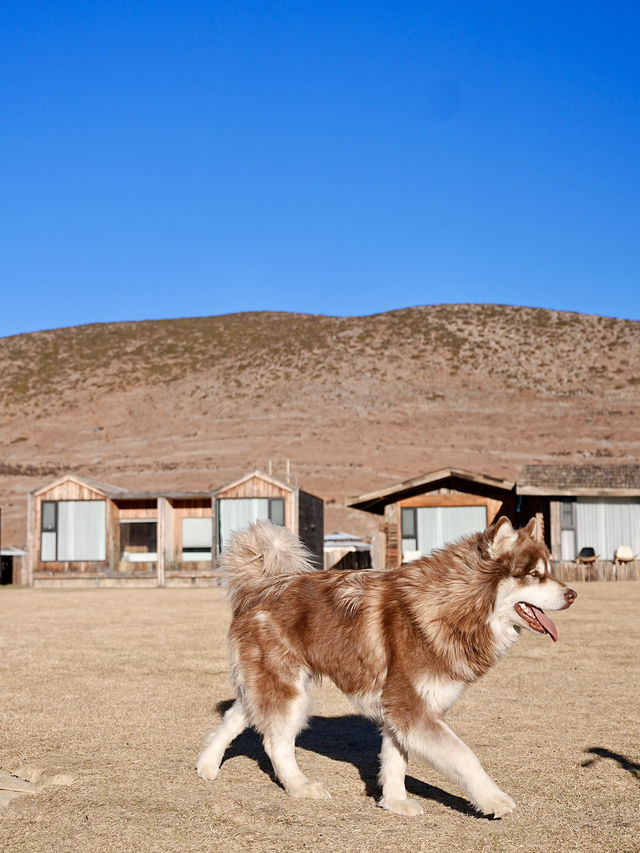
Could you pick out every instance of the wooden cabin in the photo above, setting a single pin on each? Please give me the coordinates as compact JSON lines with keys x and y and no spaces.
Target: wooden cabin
{"x":259,"y":496}
{"x":82,"y":532}
{"x":583,"y":506}
{"x":433,"y":510}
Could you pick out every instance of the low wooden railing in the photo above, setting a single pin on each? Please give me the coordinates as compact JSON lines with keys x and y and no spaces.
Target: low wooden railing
{"x":601,"y":570}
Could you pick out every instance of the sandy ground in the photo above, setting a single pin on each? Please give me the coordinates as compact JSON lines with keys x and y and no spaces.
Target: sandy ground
{"x":116,"y":688}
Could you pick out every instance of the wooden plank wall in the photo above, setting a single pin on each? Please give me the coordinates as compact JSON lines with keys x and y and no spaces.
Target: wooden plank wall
{"x":392,"y":536}
{"x":449,"y":498}
{"x":555,"y":533}
{"x":256,"y":487}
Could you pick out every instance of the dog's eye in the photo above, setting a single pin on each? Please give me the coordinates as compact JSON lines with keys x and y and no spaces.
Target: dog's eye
{"x":533,"y":573}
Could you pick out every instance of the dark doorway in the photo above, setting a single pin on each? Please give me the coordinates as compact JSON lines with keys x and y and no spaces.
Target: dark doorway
{"x":6,"y":572}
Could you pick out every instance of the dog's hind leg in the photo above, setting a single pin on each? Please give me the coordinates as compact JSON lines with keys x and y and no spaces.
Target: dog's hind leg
{"x":393,"y":766}
{"x":280,"y":730}
{"x":216,"y":742}
{"x":451,"y":757}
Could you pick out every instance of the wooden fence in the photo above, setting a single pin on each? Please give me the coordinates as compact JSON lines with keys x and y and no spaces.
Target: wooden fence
{"x":601,"y":570}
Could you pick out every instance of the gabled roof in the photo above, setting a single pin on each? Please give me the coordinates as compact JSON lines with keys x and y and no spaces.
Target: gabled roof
{"x":481,"y":483}
{"x":104,"y":488}
{"x":257,"y":474}
{"x":580,"y":480}
{"x":116,"y":492}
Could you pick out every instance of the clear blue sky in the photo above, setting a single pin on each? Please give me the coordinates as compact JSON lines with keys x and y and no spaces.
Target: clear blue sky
{"x":172,"y":159}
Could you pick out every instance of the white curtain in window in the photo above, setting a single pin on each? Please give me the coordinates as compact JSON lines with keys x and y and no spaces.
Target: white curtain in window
{"x":606,"y":523}
{"x":236,"y":513}
{"x":82,"y":530}
{"x":428,"y":529}
{"x":197,"y":538}
{"x":196,"y":533}
{"x":568,"y":544}
{"x":441,"y":525}
{"x":48,"y":546}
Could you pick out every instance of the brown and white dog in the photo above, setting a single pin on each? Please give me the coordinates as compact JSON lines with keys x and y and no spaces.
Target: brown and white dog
{"x":401,"y":643}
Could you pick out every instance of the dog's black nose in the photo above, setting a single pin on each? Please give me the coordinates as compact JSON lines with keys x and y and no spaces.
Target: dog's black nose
{"x":570,"y":595}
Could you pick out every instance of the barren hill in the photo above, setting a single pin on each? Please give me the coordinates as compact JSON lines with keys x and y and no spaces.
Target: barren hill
{"x":354,"y":403}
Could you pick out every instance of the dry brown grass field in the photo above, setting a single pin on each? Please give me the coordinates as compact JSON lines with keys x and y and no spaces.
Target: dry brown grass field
{"x":116,"y":688}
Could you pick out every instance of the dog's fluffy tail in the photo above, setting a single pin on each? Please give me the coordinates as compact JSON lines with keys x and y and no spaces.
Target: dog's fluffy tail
{"x":258,"y":556}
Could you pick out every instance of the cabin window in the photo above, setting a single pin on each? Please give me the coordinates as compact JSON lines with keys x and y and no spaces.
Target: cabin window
{"x":236,"y":513}
{"x":606,"y":523}
{"x":426,"y":528}
{"x":196,"y":539}
{"x":409,"y":540}
{"x":138,"y":540}
{"x":73,"y":531}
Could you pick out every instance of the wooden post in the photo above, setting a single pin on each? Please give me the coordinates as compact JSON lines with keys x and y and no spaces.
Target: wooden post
{"x":556,"y":536}
{"x":113,"y":536}
{"x":379,"y":550}
{"x":295,"y":511}
{"x":161,"y":544}
{"x":214,"y":532}
{"x":393,"y":556}
{"x":31,"y":545}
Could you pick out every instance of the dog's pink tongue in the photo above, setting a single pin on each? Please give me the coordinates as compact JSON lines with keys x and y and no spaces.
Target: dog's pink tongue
{"x":546,"y":623}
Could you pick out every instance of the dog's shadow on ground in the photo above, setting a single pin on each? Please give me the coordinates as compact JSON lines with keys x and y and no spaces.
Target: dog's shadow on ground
{"x":625,"y":763}
{"x":350,"y":739}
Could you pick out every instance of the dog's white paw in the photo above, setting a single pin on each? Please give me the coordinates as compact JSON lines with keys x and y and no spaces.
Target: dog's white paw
{"x":496,"y":804}
{"x":402,"y":807}
{"x":310,"y":791}
{"x":207,"y":768}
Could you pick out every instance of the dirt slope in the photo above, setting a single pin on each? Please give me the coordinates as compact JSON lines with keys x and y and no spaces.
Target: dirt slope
{"x":354,"y":403}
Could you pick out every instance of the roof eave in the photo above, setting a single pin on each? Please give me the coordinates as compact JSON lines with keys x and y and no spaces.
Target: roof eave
{"x":577,"y":492}
{"x":376,"y":501}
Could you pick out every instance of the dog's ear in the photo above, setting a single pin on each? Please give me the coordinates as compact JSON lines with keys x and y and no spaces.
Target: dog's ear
{"x":534,"y":529}
{"x":502,"y":537}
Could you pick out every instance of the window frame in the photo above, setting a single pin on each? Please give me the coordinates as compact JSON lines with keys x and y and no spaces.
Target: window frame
{"x":409,"y":531}
{"x":205,"y":553}
{"x":140,"y":556}
{"x":56,"y":530}
{"x":271,"y":502}
{"x":53,"y":530}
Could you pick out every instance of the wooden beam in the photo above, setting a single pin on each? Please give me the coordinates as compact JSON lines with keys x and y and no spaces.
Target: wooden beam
{"x":31,"y":543}
{"x":163,"y":533}
{"x":578,"y":492}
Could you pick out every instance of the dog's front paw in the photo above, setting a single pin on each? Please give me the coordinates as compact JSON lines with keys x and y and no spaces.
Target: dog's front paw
{"x":207,"y":768}
{"x":310,"y":791}
{"x":496,"y":804}
{"x":403,"y":807}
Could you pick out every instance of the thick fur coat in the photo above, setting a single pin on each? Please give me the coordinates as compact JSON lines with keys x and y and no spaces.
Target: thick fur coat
{"x":401,"y":643}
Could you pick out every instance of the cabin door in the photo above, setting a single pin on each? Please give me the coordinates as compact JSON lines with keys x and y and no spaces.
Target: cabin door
{"x":6,"y":572}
